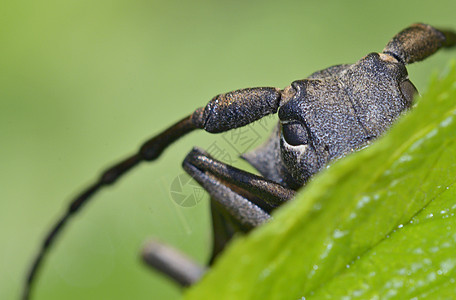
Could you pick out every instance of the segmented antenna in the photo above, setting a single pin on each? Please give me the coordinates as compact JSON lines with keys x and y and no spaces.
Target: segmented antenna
{"x":149,"y":151}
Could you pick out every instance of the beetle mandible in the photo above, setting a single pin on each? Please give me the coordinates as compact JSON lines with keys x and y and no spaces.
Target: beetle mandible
{"x":329,"y":114}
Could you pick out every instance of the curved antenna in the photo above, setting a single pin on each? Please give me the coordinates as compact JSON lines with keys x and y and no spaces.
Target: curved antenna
{"x":224,"y":112}
{"x":149,"y":151}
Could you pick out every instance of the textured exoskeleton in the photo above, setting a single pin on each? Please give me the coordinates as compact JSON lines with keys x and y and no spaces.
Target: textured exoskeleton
{"x":331,"y":113}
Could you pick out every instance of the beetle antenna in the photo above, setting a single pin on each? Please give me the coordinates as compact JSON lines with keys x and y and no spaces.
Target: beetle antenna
{"x":149,"y":151}
{"x":222,"y":113}
{"x":419,"y":41}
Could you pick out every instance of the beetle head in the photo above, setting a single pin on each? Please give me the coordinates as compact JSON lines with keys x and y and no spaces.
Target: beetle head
{"x":339,"y":110}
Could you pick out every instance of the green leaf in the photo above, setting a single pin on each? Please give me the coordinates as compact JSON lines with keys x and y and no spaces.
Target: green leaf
{"x":379,"y":223}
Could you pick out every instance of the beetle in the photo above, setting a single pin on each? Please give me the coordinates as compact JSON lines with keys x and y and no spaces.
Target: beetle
{"x":324,"y":117}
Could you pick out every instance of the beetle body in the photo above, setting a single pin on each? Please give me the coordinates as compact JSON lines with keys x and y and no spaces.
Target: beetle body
{"x":331,"y":113}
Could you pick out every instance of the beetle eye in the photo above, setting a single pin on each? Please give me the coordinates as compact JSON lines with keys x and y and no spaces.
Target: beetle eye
{"x":295,"y":134}
{"x":408,"y":90}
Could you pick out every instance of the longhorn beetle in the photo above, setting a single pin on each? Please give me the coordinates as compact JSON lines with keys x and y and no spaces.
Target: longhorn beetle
{"x":329,"y":114}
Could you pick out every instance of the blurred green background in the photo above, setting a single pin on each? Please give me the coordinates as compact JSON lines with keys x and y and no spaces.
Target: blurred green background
{"x":82,"y":83}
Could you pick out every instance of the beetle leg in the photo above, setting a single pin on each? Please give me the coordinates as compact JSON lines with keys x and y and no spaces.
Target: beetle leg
{"x":179,"y":267}
{"x":241,"y":200}
{"x":176,"y":265}
{"x":262,"y":192}
{"x":224,"y":227}
{"x":419,"y":41}
{"x":242,"y":209}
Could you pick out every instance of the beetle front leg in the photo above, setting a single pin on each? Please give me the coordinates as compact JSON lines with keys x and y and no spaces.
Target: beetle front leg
{"x":240,"y":202}
{"x":247,"y":197}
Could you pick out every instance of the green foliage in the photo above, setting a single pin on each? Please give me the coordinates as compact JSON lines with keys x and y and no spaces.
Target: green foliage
{"x":379,"y":223}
